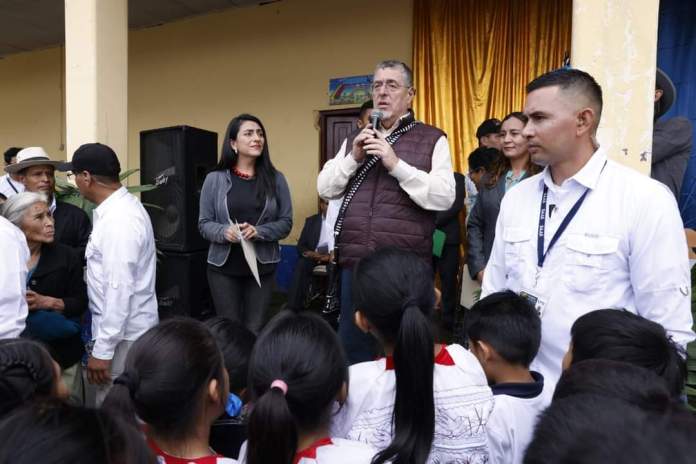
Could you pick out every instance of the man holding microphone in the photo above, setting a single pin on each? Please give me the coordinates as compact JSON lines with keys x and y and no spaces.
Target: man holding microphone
{"x":392,"y":178}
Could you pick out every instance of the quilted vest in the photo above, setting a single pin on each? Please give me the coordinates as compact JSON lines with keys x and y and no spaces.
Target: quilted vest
{"x":381,"y":213}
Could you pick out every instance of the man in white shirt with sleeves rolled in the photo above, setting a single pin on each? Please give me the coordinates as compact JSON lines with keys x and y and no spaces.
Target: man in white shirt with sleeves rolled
{"x":121,"y":263}
{"x":586,"y":233}
{"x":392,"y":179}
{"x":14,"y":255}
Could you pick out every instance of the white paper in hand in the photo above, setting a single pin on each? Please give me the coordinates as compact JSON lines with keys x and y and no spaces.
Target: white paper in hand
{"x":249,"y":251}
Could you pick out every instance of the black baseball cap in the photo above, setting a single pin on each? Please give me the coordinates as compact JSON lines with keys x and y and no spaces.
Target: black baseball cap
{"x":489,"y":126}
{"x":95,"y":158}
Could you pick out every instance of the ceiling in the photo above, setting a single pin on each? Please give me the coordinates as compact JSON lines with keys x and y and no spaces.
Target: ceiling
{"x":34,"y":24}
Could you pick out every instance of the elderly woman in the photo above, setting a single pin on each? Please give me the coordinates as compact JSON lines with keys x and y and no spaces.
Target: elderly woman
{"x":56,"y":291}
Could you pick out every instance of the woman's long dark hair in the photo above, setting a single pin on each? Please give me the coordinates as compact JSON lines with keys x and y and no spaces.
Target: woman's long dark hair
{"x":502,"y":164}
{"x":304,"y":352}
{"x":265,"y":171}
{"x":166,"y":371}
{"x":26,"y":373}
{"x":394,"y":290}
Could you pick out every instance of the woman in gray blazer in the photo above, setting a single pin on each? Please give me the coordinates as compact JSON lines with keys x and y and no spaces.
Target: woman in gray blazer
{"x":509,"y":169}
{"x":244,"y":189}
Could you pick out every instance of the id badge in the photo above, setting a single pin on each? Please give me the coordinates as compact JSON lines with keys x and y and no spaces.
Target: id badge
{"x":536,"y":300}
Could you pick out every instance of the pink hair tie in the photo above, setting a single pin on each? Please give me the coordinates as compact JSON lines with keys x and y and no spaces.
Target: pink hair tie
{"x":280,"y":385}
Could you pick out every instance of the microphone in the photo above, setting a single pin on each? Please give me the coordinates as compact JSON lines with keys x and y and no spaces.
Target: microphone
{"x":375,"y":117}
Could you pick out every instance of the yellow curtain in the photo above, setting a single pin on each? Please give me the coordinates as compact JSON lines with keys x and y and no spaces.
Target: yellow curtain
{"x":473,"y":58}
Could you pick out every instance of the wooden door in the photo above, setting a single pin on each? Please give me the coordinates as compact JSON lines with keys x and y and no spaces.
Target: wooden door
{"x":334,"y":127}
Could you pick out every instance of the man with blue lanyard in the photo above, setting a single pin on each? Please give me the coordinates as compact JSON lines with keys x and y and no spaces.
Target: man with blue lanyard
{"x":586,"y":233}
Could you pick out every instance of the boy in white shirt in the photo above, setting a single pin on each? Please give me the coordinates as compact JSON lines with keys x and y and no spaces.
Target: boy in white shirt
{"x":504,"y":333}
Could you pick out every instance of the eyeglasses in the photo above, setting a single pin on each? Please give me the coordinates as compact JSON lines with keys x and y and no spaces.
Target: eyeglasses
{"x":390,"y":86}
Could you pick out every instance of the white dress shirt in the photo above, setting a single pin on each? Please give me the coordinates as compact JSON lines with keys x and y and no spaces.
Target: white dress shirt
{"x":625,"y":248}
{"x":434,"y":190}
{"x":329,"y":221}
{"x":510,"y":426}
{"x":326,"y":236}
{"x":463,"y":402}
{"x":9,"y":187}
{"x":14,"y":255}
{"x":120,"y":273}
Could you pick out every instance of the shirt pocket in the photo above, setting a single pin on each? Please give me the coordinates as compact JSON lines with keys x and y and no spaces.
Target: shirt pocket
{"x":518,"y":250}
{"x":588,"y":261}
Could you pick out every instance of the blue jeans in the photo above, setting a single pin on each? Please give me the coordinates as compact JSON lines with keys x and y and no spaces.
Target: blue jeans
{"x":359,"y":346}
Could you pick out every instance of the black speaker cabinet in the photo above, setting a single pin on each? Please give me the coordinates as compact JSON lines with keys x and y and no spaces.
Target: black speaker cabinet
{"x":182,"y":285}
{"x":176,"y":159}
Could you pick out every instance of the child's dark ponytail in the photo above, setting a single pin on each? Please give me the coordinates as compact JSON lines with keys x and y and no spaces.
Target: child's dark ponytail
{"x":414,"y":407}
{"x":394,"y":291}
{"x":273,"y":428}
{"x":296,"y":371}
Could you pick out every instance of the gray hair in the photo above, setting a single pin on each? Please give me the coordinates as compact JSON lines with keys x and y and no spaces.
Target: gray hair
{"x":405,"y":70}
{"x":14,"y":208}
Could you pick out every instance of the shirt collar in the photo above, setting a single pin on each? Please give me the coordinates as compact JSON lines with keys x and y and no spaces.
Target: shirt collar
{"x":442,"y":358}
{"x":509,"y":175}
{"x":386,"y":132}
{"x":111,"y":200}
{"x":588,"y":176}
{"x":52,"y":207}
{"x":521,"y":390}
{"x":311,"y":451}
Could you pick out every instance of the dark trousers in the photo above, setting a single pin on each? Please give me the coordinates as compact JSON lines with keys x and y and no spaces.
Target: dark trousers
{"x":359,"y":346}
{"x":301,"y":278}
{"x":447,"y":266}
{"x":240,"y":298}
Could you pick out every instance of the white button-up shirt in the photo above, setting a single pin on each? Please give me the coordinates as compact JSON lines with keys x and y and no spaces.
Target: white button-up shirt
{"x":625,"y":248}
{"x":14,"y":255}
{"x":9,"y":187}
{"x":326,"y":236}
{"x":120,"y":275}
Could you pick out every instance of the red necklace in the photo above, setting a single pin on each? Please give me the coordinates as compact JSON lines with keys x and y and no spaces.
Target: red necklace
{"x":240,"y":174}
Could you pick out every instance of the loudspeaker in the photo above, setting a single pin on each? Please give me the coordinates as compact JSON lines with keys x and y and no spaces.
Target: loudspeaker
{"x":176,"y":160}
{"x":182,"y":285}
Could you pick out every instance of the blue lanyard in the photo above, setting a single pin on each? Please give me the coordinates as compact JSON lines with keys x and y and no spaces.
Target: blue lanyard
{"x":11,"y":184}
{"x":541,"y":255}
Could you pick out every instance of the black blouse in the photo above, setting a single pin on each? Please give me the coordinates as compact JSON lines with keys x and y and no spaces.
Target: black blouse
{"x":59,"y":274}
{"x":243,"y":206}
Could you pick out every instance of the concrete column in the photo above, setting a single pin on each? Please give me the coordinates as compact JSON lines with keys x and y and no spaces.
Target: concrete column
{"x":616,"y":42}
{"x":96,"y":75}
